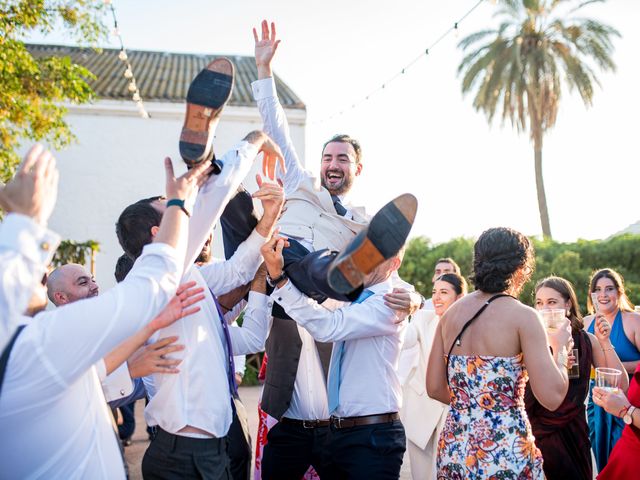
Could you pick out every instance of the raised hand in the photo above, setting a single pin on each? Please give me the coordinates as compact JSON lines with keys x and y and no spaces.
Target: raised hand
{"x":265,"y":49}
{"x":180,"y":306}
{"x":271,"y":156}
{"x":272,"y":197}
{"x":34,"y":188}
{"x":153,"y":358}
{"x":186,"y":186}
{"x":272,"y":254}
{"x":602,"y":329}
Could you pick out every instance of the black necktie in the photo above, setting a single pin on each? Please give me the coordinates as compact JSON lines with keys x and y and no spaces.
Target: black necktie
{"x":337,"y":204}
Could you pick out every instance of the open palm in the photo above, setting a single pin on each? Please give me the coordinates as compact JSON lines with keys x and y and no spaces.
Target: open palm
{"x":265,"y":47}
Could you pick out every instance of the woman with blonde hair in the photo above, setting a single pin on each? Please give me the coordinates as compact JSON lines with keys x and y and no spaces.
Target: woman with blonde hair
{"x":612,"y":305}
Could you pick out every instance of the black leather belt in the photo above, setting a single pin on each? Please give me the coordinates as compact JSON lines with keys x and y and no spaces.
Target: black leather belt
{"x":306,"y":423}
{"x":349,"y":422}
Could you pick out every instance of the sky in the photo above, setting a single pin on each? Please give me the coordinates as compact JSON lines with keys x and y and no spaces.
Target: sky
{"x":419,"y":134}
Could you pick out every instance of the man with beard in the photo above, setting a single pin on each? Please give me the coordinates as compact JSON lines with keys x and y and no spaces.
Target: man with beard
{"x":318,"y":221}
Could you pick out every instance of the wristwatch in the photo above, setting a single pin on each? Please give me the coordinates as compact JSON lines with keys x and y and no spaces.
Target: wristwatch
{"x":273,"y":282}
{"x":628,"y":416}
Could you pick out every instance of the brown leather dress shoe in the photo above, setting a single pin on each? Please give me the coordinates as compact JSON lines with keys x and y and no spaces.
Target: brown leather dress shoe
{"x":380,"y":240}
{"x":208,"y":93}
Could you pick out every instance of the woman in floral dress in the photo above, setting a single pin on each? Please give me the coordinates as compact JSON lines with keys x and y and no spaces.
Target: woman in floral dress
{"x":477,"y":365}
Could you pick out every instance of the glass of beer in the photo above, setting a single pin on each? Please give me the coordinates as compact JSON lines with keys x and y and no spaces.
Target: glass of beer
{"x":574,"y":370}
{"x":608,"y":378}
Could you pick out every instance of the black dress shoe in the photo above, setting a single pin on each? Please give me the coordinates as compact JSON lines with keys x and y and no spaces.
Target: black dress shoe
{"x":380,"y":240}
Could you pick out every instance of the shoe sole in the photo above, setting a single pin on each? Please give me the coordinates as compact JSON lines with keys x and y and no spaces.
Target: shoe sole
{"x":383,"y":238}
{"x":207,"y":95}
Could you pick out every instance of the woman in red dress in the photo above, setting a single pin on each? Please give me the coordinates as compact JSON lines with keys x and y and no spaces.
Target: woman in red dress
{"x":623,"y":461}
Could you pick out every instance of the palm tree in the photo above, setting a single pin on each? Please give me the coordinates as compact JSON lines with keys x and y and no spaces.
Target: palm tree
{"x":519,"y":69}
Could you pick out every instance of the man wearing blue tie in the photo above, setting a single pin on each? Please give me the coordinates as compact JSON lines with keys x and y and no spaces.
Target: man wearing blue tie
{"x":366,"y":438}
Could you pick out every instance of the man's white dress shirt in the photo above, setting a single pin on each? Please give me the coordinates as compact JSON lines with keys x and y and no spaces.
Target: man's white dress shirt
{"x":53,"y":418}
{"x":369,"y":384}
{"x":26,"y":249}
{"x":198,"y":396}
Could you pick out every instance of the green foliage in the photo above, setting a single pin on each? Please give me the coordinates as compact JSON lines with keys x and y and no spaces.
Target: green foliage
{"x":33,"y":89}
{"x":70,"y":251}
{"x":574,"y":261}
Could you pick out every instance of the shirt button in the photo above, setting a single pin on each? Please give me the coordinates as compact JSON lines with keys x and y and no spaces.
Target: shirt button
{"x":122,"y":392}
{"x":279,"y":299}
{"x":45,"y":246}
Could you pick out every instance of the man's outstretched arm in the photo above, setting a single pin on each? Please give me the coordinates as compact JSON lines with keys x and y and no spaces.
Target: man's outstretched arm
{"x":272,"y":113}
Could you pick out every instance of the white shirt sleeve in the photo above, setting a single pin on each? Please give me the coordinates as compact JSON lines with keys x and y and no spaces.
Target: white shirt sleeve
{"x":370,"y":318}
{"x":250,"y":338}
{"x":215,"y":194}
{"x":73,"y":337}
{"x":26,"y":249}
{"x":118,"y":384}
{"x":222,"y":276}
{"x":277,"y":127}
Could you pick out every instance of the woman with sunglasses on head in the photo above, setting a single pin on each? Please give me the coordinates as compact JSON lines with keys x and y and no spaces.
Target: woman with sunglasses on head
{"x":609,"y":302}
{"x":422,"y":416}
{"x":563,"y":435}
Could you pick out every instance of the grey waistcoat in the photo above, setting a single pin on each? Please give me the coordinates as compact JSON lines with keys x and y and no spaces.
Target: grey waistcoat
{"x":283,"y":349}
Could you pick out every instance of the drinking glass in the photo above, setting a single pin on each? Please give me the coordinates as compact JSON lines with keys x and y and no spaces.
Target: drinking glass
{"x":552,"y":318}
{"x":608,"y":378}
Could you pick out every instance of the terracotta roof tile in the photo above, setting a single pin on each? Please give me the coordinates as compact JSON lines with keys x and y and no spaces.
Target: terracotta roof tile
{"x":161,"y":76}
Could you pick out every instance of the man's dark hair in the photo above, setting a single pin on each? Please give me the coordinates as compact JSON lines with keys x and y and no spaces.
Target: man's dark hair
{"x":123,"y":267}
{"x":134,"y":226}
{"x":450,"y":261}
{"x":343,"y":138}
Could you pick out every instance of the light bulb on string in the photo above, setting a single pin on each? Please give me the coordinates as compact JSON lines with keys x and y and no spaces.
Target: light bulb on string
{"x":456,"y":30}
{"x":128,"y":73}
{"x":132,"y":87}
{"x":136,"y":97}
{"x":115,"y":32}
{"x":123,"y":55}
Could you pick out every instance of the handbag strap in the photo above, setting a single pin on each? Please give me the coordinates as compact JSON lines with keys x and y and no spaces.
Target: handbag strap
{"x":4,"y":359}
{"x":456,"y":341}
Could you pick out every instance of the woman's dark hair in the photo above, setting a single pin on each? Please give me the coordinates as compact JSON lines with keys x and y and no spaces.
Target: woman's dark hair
{"x":458,"y":282}
{"x":566,"y":291}
{"x":624,"y":302}
{"x":503,"y":260}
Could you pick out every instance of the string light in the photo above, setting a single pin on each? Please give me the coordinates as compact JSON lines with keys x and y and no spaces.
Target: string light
{"x":426,"y":52}
{"x":124,"y":58}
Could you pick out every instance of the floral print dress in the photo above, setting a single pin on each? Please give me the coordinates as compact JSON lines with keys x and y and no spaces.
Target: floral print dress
{"x":487,"y":434}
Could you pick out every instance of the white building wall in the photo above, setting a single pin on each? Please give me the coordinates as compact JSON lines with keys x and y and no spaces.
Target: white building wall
{"x":118,"y":159}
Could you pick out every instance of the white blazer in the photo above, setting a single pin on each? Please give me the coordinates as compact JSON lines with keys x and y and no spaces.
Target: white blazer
{"x":420,"y":414}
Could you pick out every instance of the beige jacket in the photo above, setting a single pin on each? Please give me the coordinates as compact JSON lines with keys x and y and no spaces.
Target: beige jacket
{"x":310,"y":214}
{"x":420,"y":414}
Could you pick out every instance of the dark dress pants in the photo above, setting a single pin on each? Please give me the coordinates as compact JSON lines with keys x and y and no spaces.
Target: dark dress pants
{"x":367,"y":452}
{"x":291,"y":449}
{"x":174,"y":457}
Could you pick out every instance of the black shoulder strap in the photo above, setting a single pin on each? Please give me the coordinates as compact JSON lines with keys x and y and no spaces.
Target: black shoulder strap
{"x":469,"y":322}
{"x":4,"y":359}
